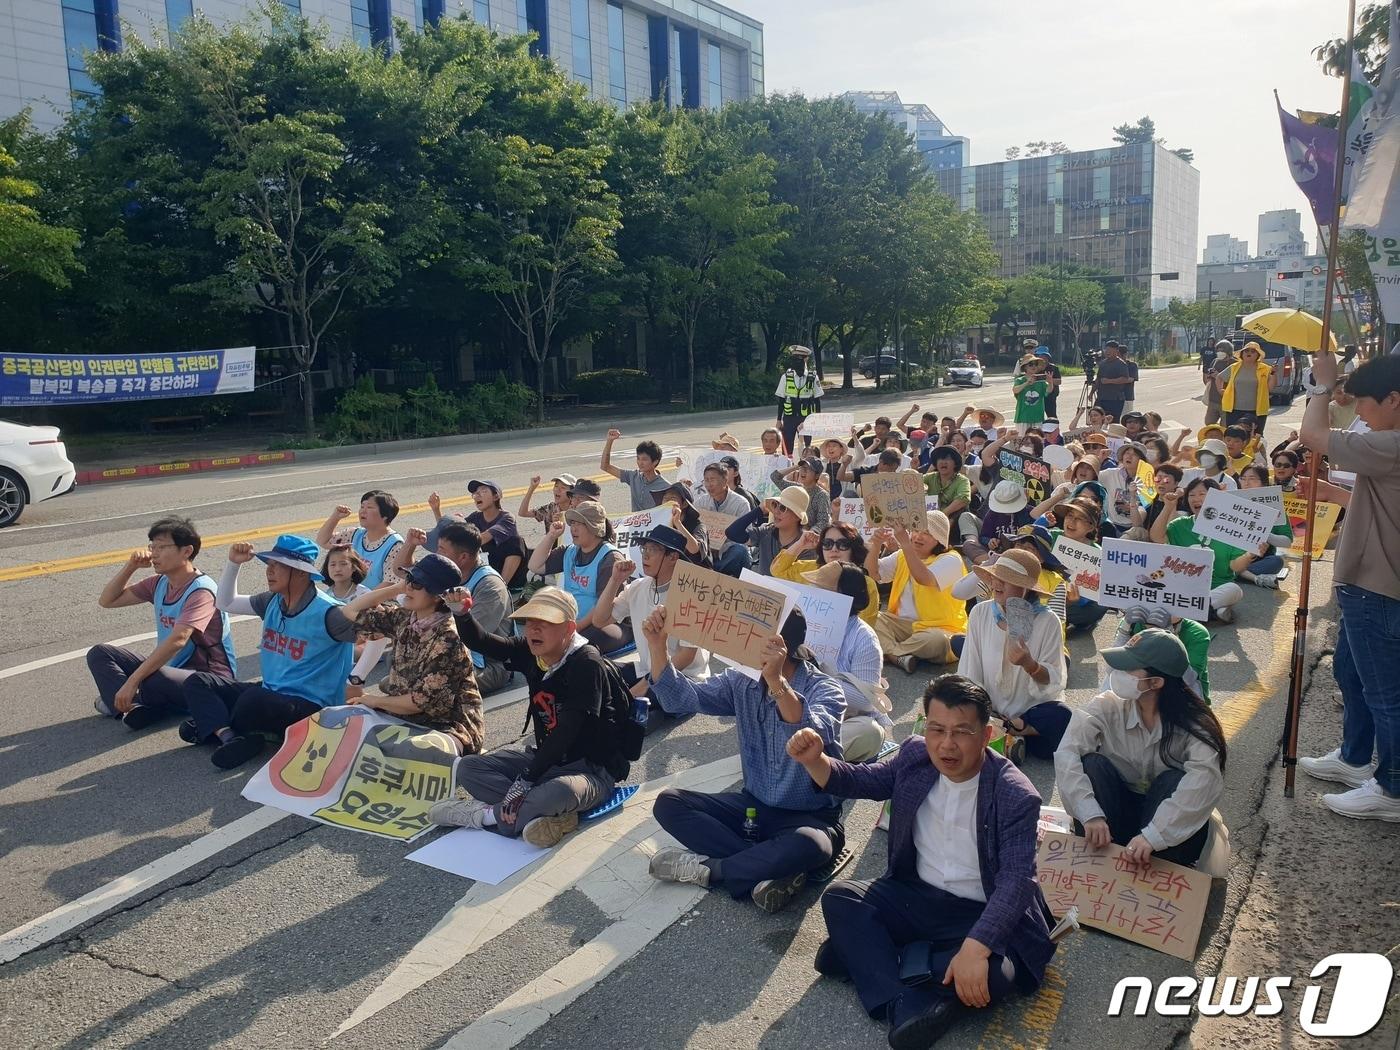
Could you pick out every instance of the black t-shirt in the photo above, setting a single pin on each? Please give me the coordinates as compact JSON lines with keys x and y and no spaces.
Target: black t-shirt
{"x":499,"y":551}
{"x":1113,"y":368}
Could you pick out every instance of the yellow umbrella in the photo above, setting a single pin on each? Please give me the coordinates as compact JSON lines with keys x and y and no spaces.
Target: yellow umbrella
{"x":1293,"y":328}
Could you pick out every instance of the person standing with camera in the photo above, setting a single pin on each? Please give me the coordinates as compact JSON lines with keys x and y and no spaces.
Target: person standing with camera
{"x":1114,"y":380}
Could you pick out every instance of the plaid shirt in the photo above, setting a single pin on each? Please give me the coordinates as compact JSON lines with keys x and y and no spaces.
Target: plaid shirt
{"x":1014,"y":922}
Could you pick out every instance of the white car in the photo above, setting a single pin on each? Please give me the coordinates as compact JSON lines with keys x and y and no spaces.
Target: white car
{"x":34,"y":466}
{"x":964,"y":372}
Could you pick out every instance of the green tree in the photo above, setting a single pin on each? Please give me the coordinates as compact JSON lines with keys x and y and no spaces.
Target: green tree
{"x":28,"y":244}
{"x":1083,"y":305}
{"x":1145,"y":130}
{"x":1372,"y":42}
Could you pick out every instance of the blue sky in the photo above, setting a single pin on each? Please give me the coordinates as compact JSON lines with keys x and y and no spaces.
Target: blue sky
{"x":1004,"y":72}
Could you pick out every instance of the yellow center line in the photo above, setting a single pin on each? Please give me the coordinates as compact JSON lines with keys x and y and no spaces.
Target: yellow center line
{"x":97,"y":560}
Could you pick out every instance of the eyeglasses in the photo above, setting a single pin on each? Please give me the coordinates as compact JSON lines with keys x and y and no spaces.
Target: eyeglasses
{"x":1283,"y":466}
{"x":959,"y":733}
{"x":163,"y":547}
{"x":836,"y":545}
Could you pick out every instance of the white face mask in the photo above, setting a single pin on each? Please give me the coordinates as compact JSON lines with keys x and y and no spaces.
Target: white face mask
{"x":1208,"y":461}
{"x":1124,"y":684}
{"x":1153,"y":456}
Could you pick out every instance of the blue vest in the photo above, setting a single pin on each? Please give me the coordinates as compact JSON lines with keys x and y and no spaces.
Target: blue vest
{"x":299,"y":656}
{"x":167,"y":615}
{"x":581,"y":581}
{"x":377,"y":557}
{"x":482,"y":571}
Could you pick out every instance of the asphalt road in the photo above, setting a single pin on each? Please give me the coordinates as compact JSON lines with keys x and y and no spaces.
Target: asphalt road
{"x":266,"y":932}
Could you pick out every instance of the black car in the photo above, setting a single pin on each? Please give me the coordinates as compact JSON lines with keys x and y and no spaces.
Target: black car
{"x":889,"y":364}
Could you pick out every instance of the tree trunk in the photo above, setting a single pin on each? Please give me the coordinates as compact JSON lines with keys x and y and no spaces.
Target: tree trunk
{"x":690,"y":366}
{"x":308,"y":406}
{"x":539,"y":390}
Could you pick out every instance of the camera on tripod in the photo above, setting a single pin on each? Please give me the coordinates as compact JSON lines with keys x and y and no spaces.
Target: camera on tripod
{"x":1089,"y":361}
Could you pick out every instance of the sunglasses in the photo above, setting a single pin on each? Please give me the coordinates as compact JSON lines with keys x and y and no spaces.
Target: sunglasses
{"x":414,"y":585}
{"x":836,"y":545}
{"x":1283,"y":466}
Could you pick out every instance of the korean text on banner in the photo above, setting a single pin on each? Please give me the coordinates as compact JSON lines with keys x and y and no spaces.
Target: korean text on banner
{"x":895,"y":499}
{"x":1324,"y":521}
{"x":1235,"y":520}
{"x":1029,"y":473}
{"x":729,"y":617}
{"x":1082,"y":562}
{"x":1160,"y":906}
{"x":756,"y":469}
{"x":1158,"y":576}
{"x":1270,"y":496}
{"x":81,"y":379}
{"x":356,"y":768}
{"x":826,"y":612}
{"x":715,"y":522}
{"x":821,"y":425}
{"x":852,"y":512}
{"x":634,"y":528}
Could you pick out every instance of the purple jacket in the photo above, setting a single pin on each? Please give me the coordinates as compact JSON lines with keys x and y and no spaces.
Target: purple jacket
{"x":1014,"y":921}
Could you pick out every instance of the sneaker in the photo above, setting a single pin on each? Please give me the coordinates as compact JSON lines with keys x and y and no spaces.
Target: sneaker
{"x":464,"y":812}
{"x":237,"y":751}
{"x":773,"y":895}
{"x":140,"y":717}
{"x":102,"y":709}
{"x":828,"y":962}
{"x":189,"y":733}
{"x":1016,"y":750}
{"x":1331,"y":767}
{"x":1266,"y":579}
{"x":1367,"y":802}
{"x":907,"y":664}
{"x":1224,"y":615}
{"x":545,"y":832}
{"x":680,"y":865}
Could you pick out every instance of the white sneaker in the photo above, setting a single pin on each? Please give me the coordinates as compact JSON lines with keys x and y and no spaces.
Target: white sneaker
{"x":460,"y":813}
{"x":1331,"y":767}
{"x":1266,"y":579}
{"x":680,"y":865}
{"x":1367,"y":802}
{"x":1225,"y":614}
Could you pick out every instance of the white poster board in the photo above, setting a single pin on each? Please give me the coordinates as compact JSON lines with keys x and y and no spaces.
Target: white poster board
{"x":1157,"y":576}
{"x":821,"y":425}
{"x":631,"y":529}
{"x":826,"y":612}
{"x":1082,"y":561}
{"x":755,"y":468}
{"x":1271,"y":496}
{"x":1235,"y":519}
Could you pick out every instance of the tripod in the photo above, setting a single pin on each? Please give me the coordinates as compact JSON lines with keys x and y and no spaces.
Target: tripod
{"x":1086,"y":396}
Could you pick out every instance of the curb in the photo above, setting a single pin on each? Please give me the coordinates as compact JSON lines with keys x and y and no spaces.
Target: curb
{"x":184,"y":466}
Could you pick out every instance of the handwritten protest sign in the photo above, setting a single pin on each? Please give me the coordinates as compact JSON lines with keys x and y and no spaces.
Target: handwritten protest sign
{"x":1030,"y":473}
{"x":1158,"y":576}
{"x":826,"y":612}
{"x":1081,"y":561}
{"x":895,"y":499}
{"x":357,"y":768}
{"x":1271,"y":496}
{"x":1160,"y":905}
{"x":821,"y":425}
{"x":731,"y":618}
{"x":852,"y":512}
{"x":1234,"y":519}
{"x":634,"y":528}
{"x":755,"y":468}
{"x":1325,"y":516}
{"x":715,"y":522}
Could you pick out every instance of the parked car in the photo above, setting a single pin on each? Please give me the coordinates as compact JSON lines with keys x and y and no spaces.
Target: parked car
{"x":889,"y":364}
{"x":964,"y":371}
{"x":34,"y":466}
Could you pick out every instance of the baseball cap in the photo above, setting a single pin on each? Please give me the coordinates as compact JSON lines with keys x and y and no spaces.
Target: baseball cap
{"x":730,"y":462}
{"x":494,"y":486}
{"x":1150,"y":649}
{"x":435,"y":574}
{"x":567,"y":480}
{"x":549,"y":604}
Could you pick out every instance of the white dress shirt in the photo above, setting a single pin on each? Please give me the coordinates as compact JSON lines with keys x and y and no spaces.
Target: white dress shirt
{"x":945,"y":839}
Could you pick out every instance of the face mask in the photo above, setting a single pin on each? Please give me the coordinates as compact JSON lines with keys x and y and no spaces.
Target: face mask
{"x":1153,"y":456}
{"x":1208,"y":462}
{"x":1124,"y":684}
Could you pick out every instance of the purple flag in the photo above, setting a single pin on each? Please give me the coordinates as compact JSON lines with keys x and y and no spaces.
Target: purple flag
{"x":1312,"y":158}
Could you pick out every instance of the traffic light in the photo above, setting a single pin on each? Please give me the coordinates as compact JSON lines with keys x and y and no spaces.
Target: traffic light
{"x":1290,"y":275}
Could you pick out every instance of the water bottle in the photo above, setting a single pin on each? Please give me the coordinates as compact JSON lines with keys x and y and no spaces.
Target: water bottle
{"x":640,"y":708}
{"x":751,"y":825}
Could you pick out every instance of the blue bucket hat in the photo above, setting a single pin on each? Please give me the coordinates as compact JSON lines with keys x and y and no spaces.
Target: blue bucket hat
{"x":1042,"y":351}
{"x":295,"y":552}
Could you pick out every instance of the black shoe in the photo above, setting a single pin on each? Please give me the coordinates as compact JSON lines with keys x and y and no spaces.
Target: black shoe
{"x":916,"y":1024}
{"x":189,"y":733}
{"x":140,"y":717}
{"x":829,"y":963}
{"x":237,"y":751}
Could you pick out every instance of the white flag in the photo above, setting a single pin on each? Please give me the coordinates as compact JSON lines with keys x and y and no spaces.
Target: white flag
{"x":1374,"y":201}
{"x":1361,"y":125}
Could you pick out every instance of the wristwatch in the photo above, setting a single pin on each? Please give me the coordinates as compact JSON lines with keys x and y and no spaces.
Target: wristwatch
{"x":355,"y":679}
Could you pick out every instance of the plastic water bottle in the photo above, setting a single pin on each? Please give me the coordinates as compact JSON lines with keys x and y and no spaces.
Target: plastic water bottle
{"x":751,"y":825}
{"x":640,"y":707}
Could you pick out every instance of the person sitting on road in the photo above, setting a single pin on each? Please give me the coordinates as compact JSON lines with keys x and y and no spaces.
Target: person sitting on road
{"x":345,"y":572}
{"x":1024,"y":674}
{"x":555,"y":507}
{"x":853,"y":468}
{"x":961,"y":876}
{"x":373,"y":541}
{"x":718,"y":498}
{"x":583,"y":490}
{"x":579,"y":709}
{"x":191,"y":633}
{"x":1004,"y":515}
{"x":838,"y":542}
{"x":1078,"y":519}
{"x":796,"y":828}
{"x":986,"y":420}
{"x":500,"y":536}
{"x":924,"y":621}
{"x":736,"y":480}
{"x":686,"y":521}
{"x":644,"y":483}
{"x":306,"y":655}
{"x":946,"y":481}
{"x":431,"y":681}
{"x":1229,"y":561}
{"x":808,"y":475}
{"x":1194,"y":635}
{"x":786,"y":516}
{"x":1212,"y":464}
{"x":1142,"y":764}
{"x":584,"y":568}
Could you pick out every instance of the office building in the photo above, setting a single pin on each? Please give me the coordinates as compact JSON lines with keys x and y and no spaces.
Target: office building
{"x":1129,"y":210}
{"x":690,"y":53}
{"x":1281,"y":233}
{"x":1257,"y":281}
{"x":941,"y":149}
{"x":1222,"y":248}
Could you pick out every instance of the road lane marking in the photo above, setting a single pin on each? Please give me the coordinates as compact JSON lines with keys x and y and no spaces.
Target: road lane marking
{"x":59,"y":658}
{"x":38,"y":932}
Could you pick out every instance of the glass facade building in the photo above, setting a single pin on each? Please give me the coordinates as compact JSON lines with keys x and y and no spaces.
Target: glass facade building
{"x":1127,"y":210}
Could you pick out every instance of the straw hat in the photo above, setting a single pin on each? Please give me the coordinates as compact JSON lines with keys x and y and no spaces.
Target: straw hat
{"x":1116,"y":430}
{"x":843,"y":578}
{"x":997,"y":418}
{"x":1007,"y":497}
{"x":795,"y":499}
{"x":1018,"y":568}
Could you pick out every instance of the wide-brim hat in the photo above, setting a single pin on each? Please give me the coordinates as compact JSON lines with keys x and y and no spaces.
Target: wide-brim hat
{"x":1083,"y":508}
{"x":1007,"y":497}
{"x":550,"y":604}
{"x":939,"y":527}
{"x":1214,"y":446}
{"x":589,"y":513}
{"x":1044,"y":542}
{"x":667,"y":537}
{"x":295,"y":552}
{"x":435,"y":573}
{"x":1094,"y":438}
{"x":1018,"y":568}
{"x":843,"y":578}
{"x":1042,"y":351}
{"x":1116,"y":430}
{"x":997,"y":418}
{"x":1210,"y":430}
{"x":795,"y":499}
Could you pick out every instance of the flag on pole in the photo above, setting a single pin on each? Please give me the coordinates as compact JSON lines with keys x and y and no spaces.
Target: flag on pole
{"x":1312,"y":158}
{"x":1360,"y":127}
{"x":1374,"y":201}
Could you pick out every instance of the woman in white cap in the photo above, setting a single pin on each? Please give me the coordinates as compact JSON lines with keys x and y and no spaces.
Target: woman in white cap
{"x":1015,"y":651}
{"x":1006,"y":513}
{"x":786,"y":518}
{"x":1213,"y":464}
{"x":866,"y":725}
{"x":546,"y":514}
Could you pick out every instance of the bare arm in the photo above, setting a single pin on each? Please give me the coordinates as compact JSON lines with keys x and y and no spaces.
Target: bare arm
{"x":540,"y":555}
{"x":524,"y":511}
{"x":605,"y":463}
{"x":117,"y":595}
{"x":905,"y":418}
{"x":326,"y":532}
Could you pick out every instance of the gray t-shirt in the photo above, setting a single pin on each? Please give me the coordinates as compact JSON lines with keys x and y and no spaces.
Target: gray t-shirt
{"x":644,"y":492}
{"x":1246,"y":389}
{"x":1368,"y":554}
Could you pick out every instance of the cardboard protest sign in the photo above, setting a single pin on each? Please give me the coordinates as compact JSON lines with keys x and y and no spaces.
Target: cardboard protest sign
{"x":1030,"y":473}
{"x":1158,"y":576}
{"x":1081,"y":561}
{"x":1271,"y":496}
{"x":826,"y":612}
{"x":731,"y":618}
{"x":852,"y":512}
{"x":1160,"y":905}
{"x":357,"y":768}
{"x":820,"y":425}
{"x":1171,"y":426}
{"x":1325,"y":517}
{"x":1234,"y":519}
{"x":634,"y":528}
{"x":715,"y":522}
{"x":895,"y":499}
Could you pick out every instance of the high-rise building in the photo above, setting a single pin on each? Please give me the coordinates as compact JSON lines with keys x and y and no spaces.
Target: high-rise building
{"x":1222,"y":248}
{"x":941,"y":149}
{"x":1128,"y":210}
{"x":689,"y":53}
{"x":1281,"y":233}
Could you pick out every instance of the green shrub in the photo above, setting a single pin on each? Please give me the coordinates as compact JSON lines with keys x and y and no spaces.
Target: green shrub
{"x":364,"y":415}
{"x":498,"y":405}
{"x":431,"y":411}
{"x":614,"y":384}
{"x":725,"y":390}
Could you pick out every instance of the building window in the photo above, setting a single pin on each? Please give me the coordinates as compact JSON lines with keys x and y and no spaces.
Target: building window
{"x":294,"y":6}
{"x":617,"y":56}
{"x":714,"y":69}
{"x":685,"y":67}
{"x":657,"y":38}
{"x":582,"y":45}
{"x":432,"y":11}
{"x":532,"y":16}
{"x":481,"y":11}
{"x":177,"y":12}
{"x":88,"y":25}
{"x":359,"y":23}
